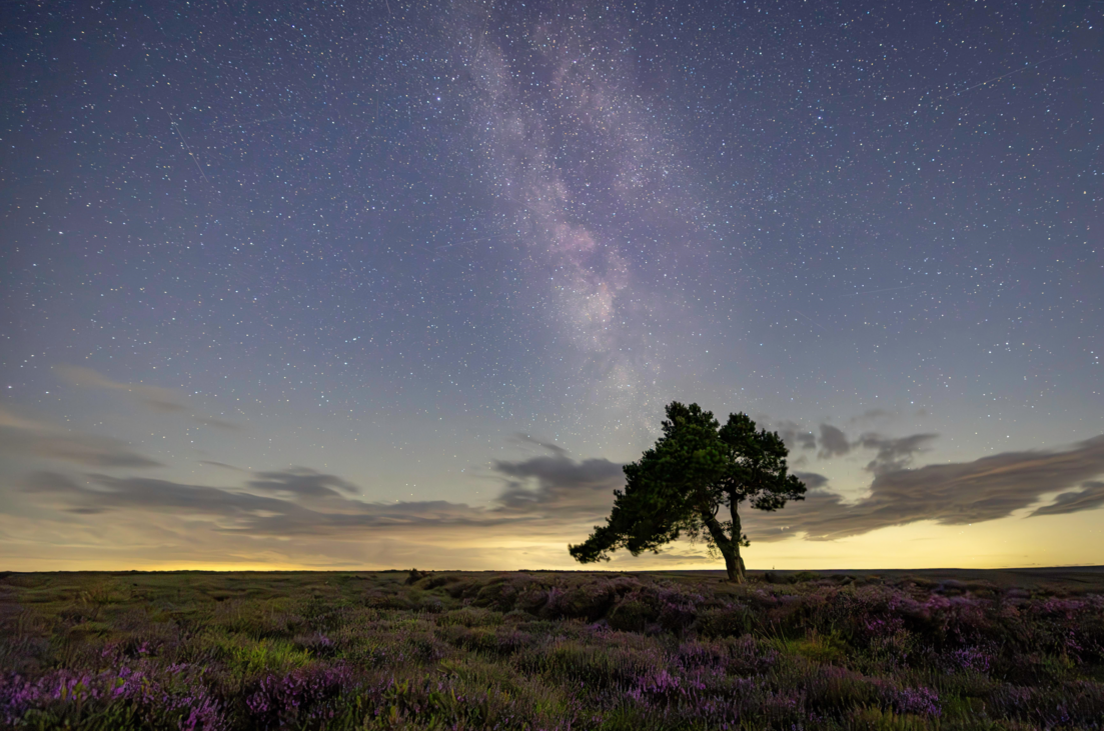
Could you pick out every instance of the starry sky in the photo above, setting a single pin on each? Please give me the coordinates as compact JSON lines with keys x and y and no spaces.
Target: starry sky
{"x":382,"y":284}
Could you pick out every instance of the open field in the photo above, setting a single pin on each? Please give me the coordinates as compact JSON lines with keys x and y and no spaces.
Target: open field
{"x":935,"y":649}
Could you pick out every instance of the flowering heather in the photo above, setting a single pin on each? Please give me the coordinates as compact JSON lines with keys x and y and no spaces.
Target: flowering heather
{"x":169,"y":696}
{"x":546,"y":651}
{"x":920,"y":701}
{"x":969,"y":658}
{"x":309,"y":693}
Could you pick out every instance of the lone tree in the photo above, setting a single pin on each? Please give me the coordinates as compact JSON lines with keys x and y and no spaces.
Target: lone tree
{"x":680,"y":485}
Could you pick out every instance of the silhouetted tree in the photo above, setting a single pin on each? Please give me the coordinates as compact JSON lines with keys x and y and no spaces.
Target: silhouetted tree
{"x":680,"y":485}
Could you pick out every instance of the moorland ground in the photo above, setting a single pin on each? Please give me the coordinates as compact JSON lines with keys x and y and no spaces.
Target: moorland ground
{"x":936,"y":649}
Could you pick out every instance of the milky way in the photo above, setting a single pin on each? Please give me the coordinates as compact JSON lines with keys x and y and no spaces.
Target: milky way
{"x":581,"y":167}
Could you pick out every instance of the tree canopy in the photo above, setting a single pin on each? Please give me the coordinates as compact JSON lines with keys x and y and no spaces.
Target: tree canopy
{"x":679,"y":486}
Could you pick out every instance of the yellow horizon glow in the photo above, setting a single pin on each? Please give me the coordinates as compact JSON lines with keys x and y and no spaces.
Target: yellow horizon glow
{"x":1013,"y":542}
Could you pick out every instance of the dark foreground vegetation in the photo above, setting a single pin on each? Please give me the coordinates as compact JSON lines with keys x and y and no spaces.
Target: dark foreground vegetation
{"x":549,"y":651}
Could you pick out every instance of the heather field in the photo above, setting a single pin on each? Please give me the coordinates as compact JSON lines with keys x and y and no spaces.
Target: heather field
{"x":536,"y":650}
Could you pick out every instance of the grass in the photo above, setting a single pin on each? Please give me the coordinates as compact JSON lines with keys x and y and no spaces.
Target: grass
{"x":542,"y":650}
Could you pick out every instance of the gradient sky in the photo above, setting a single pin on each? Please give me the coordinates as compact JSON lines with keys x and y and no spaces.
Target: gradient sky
{"x":372,"y":285}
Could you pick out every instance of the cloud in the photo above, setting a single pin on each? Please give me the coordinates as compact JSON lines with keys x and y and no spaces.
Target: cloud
{"x":871,"y":415}
{"x":235,"y":510}
{"x":1090,"y":496}
{"x":223,"y":465}
{"x":562,"y":485}
{"x":833,"y":442}
{"x":84,"y":449}
{"x":155,"y":397}
{"x":301,"y":482}
{"x":552,"y":493}
{"x":795,"y":435}
{"x":812,"y":480}
{"x":9,"y":420}
{"x":525,"y":439}
{"x":161,"y":399}
{"x":27,"y":437}
{"x":950,"y":494}
{"x":542,"y":494}
{"x":893,"y":454}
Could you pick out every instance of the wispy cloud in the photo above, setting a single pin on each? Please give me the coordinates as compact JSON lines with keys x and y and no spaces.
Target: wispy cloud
{"x":951,"y":494}
{"x":1091,"y":495}
{"x":155,"y":397}
{"x":237,"y":510}
{"x":546,"y":492}
{"x":223,"y":465}
{"x":299,"y":482}
{"x":871,"y":415}
{"x":524,"y":440}
{"x":25,"y":437}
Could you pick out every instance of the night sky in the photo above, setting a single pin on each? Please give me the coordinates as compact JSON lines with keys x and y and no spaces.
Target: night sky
{"x":380,"y":285}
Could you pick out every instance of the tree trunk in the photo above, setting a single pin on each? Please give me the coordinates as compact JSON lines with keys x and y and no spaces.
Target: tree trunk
{"x":729,"y":548}
{"x":733,"y":563}
{"x":737,"y":534}
{"x":732,"y":567}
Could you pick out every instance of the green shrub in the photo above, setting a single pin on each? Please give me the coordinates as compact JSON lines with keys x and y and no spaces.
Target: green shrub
{"x":470,"y":617}
{"x":726,"y":621}
{"x":635,"y":612}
